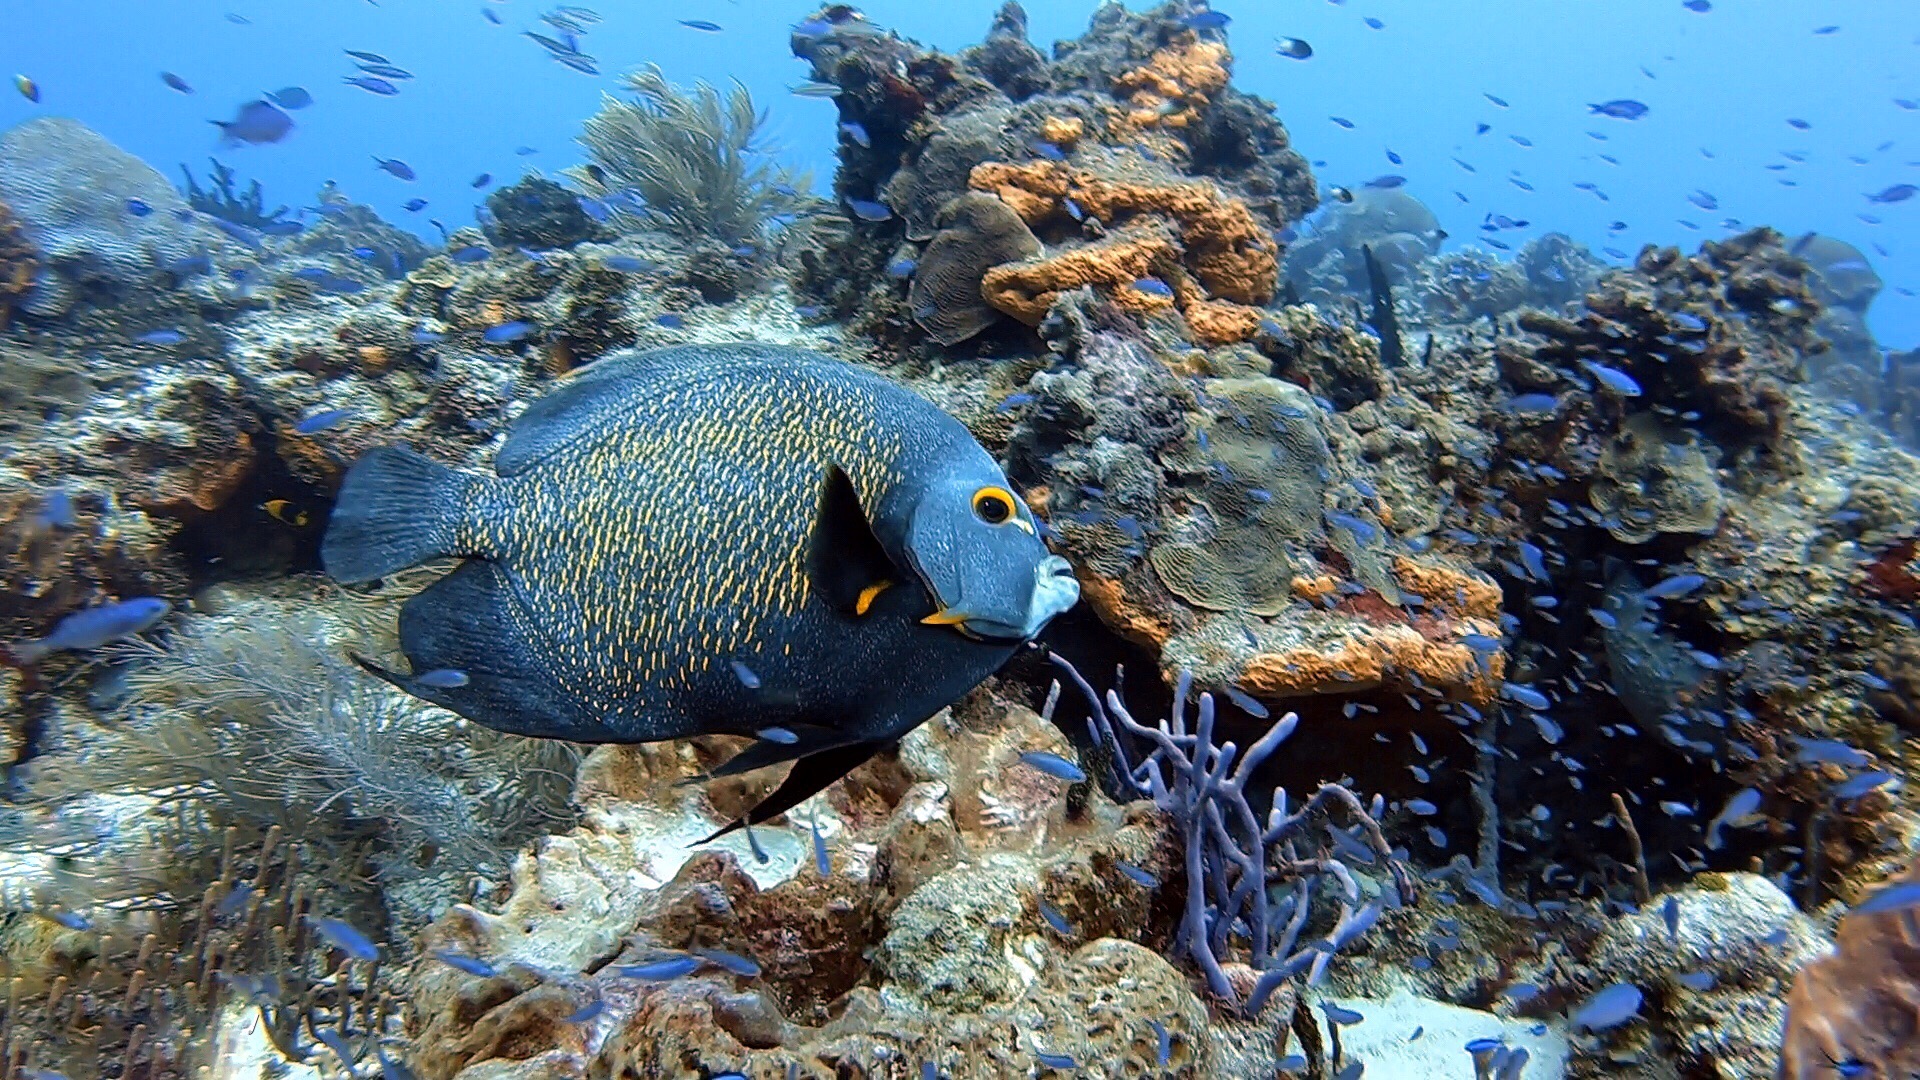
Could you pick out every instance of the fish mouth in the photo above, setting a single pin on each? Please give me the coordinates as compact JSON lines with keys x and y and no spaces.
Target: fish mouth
{"x":1055,"y":589}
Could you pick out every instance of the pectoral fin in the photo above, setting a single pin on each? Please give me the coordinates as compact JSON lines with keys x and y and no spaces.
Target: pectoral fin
{"x":846,"y":564}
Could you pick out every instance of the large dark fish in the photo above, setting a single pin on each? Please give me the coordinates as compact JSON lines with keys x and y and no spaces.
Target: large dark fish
{"x":706,"y":539}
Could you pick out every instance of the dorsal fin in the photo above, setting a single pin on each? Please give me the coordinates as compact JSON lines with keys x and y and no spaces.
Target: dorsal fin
{"x":576,"y":405}
{"x":846,"y":563}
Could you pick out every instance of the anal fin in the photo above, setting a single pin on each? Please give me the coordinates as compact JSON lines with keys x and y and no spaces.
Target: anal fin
{"x":810,"y":775}
{"x":467,"y":622}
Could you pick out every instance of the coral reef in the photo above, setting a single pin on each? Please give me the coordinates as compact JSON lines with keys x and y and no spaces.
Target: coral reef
{"x":1600,"y":583}
{"x":1130,"y":156}
{"x":694,"y":160}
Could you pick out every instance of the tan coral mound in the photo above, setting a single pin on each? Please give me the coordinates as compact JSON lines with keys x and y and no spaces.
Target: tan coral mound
{"x":1207,"y":246}
{"x":1860,"y":1004}
{"x":1172,"y":84}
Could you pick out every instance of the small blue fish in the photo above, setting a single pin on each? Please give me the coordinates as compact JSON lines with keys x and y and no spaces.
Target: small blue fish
{"x":660,"y":970}
{"x":1153,"y":286}
{"x":1620,"y":109}
{"x":1136,"y":875}
{"x":1049,"y":151}
{"x":670,"y":320}
{"x":372,"y":85}
{"x":587,"y":1012}
{"x":428,"y":337}
{"x":472,"y":965}
{"x":394,"y":167}
{"x":344,"y":937}
{"x":1053,"y":765}
{"x":1698,"y":981}
{"x":902,"y":268}
{"x":627,"y":264}
{"x":176,"y":82}
{"x":472,"y":253}
{"x":1054,"y":919}
{"x":857,"y":131}
{"x":72,"y":920}
{"x":443,"y":679}
{"x":702,"y":25}
{"x":747,"y":677}
{"x":1610,"y":1007}
{"x":1056,"y":1061}
{"x":1345,"y":123}
{"x":54,"y":512}
{"x":94,"y":627}
{"x":868,"y":210}
{"x":482,"y":181}
{"x":733,"y":962}
{"x":820,"y":862}
{"x":1340,"y":1015}
{"x":138,"y":207}
{"x":1828,"y":752}
{"x":1862,"y":785}
{"x":161,"y":337}
{"x":1206,"y":20}
{"x":507,"y":332}
{"x":1387,"y":182}
{"x":321,"y":421}
{"x":1741,"y":806}
{"x":1892,"y":898}
{"x":1526,"y":695}
{"x":1613,"y":379}
{"x":414,"y":206}
{"x":779,"y":735}
{"x":291,"y":97}
{"x":1677,"y":585}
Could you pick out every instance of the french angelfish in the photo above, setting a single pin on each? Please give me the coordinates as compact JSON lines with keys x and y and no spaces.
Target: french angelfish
{"x":664,"y":519}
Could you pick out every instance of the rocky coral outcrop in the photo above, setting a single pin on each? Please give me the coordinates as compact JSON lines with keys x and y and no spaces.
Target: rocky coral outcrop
{"x":968,"y":916}
{"x":77,"y":197}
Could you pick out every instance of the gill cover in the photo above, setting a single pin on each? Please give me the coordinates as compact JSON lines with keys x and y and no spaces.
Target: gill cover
{"x":974,"y":545}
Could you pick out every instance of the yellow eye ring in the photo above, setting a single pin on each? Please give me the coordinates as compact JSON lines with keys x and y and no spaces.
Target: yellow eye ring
{"x":997,"y":506}
{"x":993,"y":505}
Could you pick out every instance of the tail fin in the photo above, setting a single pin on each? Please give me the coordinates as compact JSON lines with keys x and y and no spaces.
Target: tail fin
{"x":396,"y":509}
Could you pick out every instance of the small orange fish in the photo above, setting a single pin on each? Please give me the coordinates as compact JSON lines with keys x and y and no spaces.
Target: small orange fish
{"x":27,"y":87}
{"x":283,"y":511}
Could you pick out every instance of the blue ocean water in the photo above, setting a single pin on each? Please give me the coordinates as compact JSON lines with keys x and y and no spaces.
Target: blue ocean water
{"x":1759,"y":112}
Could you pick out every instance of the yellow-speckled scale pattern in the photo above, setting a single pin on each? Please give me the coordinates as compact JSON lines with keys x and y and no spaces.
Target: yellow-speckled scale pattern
{"x":670,"y":537}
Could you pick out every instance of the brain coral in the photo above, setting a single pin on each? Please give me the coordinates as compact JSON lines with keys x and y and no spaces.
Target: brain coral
{"x":978,"y":232}
{"x":1258,"y":511}
{"x":69,"y":187}
{"x":1654,"y":478}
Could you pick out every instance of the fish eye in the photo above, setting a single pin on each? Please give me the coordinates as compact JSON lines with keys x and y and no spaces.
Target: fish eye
{"x":993,"y":505}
